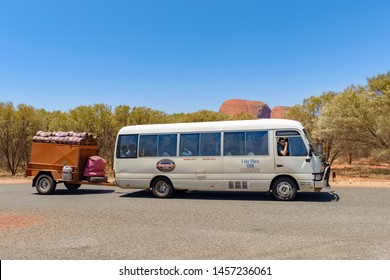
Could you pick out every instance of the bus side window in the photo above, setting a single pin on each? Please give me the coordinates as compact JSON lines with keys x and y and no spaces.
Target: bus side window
{"x":210,"y":144}
{"x":148,"y":146}
{"x":234,"y":144}
{"x":189,"y":145}
{"x":256,"y":143}
{"x":167,"y":145}
{"x":297,"y":146}
{"x":127,"y":146}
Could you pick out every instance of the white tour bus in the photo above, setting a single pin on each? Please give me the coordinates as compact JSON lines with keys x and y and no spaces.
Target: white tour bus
{"x":220,"y":156}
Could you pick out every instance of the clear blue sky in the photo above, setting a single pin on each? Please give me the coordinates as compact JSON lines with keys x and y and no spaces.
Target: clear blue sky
{"x":183,"y":56}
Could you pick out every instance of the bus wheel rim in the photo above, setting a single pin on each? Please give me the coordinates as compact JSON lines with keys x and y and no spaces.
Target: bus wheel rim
{"x":284,"y":189}
{"x":162,"y":187}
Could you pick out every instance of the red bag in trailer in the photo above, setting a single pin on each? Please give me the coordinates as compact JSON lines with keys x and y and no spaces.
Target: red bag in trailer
{"x":95,"y":167}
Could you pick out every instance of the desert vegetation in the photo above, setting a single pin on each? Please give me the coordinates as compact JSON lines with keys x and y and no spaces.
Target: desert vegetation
{"x":18,"y":124}
{"x":352,"y":124}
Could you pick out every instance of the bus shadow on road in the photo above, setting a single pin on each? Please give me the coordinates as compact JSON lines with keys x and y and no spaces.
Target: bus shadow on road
{"x":237,"y":196}
{"x":318,"y":197}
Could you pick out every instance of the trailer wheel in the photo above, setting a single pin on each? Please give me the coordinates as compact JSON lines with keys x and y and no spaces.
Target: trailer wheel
{"x":284,"y":188}
{"x":72,"y":187}
{"x":162,"y":188}
{"x":45,"y":184}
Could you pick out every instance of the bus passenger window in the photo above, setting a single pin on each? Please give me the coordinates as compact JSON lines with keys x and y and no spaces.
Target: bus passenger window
{"x":210,"y":144}
{"x":234,"y":144}
{"x":148,"y":146}
{"x":167,"y":145}
{"x":127,"y":146}
{"x":256,"y":143}
{"x":189,"y":145}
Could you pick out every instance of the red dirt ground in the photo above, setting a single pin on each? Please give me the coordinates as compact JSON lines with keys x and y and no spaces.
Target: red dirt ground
{"x":13,"y":220}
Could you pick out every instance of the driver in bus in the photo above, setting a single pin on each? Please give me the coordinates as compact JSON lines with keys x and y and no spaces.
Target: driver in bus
{"x":283,"y":147}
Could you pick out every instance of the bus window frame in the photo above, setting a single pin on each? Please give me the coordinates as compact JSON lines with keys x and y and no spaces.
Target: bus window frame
{"x":120,"y":145}
{"x":290,"y":134}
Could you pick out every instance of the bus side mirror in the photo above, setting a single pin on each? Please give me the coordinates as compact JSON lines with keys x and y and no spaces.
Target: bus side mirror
{"x":318,"y":148}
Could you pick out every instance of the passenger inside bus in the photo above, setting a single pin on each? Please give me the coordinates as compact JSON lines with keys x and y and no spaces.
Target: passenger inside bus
{"x":283,"y":149}
{"x":132,"y":150}
{"x":210,"y":144}
{"x":125,"y":152}
{"x":186,"y":151}
{"x":208,"y":150}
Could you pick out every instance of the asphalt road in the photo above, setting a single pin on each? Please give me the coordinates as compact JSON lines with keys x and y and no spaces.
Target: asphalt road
{"x":110,"y":223}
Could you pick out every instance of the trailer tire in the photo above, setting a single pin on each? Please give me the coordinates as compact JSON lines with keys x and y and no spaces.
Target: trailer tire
{"x":72,"y":187}
{"x":162,"y":187}
{"x":45,"y":184}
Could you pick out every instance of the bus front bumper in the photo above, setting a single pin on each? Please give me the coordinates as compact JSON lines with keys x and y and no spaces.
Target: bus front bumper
{"x":321,"y":180}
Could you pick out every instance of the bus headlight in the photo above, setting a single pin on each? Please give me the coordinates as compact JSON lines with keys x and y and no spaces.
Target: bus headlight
{"x":317,"y":176}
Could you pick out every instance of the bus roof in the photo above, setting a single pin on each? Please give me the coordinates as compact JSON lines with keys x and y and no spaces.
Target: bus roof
{"x":258,"y":124}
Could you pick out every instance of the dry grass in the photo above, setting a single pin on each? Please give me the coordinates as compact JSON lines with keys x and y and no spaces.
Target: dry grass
{"x":363,"y":169}
{"x":6,"y":174}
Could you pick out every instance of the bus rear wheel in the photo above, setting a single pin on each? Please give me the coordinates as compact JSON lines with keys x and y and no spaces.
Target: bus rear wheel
{"x":162,"y":188}
{"x":284,"y":188}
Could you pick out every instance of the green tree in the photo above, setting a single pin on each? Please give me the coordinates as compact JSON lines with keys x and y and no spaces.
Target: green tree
{"x":122,"y":116}
{"x":308,"y":114}
{"x":359,"y":115}
{"x":97,"y":119}
{"x":59,"y":121}
{"x":207,"y":116}
{"x":380,"y":85}
{"x":310,"y":110}
{"x":145,"y":115}
{"x":17,"y":127}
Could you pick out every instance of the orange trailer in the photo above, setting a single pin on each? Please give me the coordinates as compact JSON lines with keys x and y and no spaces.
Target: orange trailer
{"x":52,"y":163}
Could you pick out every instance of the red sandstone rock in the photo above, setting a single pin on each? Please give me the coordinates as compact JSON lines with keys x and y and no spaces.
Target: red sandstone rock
{"x":279,"y":112}
{"x":257,"y":109}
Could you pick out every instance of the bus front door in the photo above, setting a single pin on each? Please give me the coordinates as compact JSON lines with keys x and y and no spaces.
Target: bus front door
{"x":291,"y":155}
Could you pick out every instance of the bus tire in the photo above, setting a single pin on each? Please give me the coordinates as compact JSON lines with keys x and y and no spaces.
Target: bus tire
{"x":162,"y":187}
{"x":72,"y":187}
{"x":284,"y":188}
{"x":45,"y":184}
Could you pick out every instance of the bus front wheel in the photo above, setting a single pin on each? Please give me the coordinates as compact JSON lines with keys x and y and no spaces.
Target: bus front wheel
{"x":162,"y":188}
{"x":284,"y":188}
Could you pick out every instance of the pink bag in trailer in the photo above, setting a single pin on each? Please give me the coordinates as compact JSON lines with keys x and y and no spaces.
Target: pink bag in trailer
{"x":95,"y":167}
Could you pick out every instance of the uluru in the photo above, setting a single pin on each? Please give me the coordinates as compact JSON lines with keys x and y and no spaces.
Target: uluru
{"x":257,"y":109}
{"x":279,"y":112}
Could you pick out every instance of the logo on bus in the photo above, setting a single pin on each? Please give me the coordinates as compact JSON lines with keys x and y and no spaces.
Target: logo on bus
{"x":165,"y":165}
